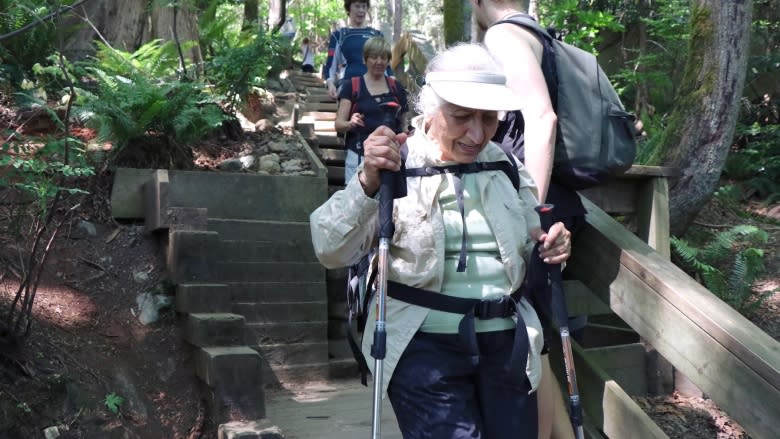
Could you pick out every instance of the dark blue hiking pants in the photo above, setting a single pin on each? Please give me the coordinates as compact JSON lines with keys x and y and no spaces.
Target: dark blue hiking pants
{"x":439,"y":392}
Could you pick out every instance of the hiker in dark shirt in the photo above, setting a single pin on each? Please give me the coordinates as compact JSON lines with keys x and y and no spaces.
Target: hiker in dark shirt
{"x":345,"y":47}
{"x":360,"y":109}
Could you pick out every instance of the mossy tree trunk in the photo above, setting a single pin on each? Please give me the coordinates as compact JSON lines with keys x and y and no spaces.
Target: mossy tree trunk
{"x":701,"y":126}
{"x":457,"y":21}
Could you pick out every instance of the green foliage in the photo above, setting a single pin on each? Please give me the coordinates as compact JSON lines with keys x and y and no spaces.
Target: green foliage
{"x":577,"y":22}
{"x":728,"y":264}
{"x":113,"y":402}
{"x":753,"y":164}
{"x":19,"y":53}
{"x":234,"y":70}
{"x":38,"y":167}
{"x":222,"y":27}
{"x":156,"y":59}
{"x":137,"y":97}
{"x":754,"y":161}
{"x":125,"y":110}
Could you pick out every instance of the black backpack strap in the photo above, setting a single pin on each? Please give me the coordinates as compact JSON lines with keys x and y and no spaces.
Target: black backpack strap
{"x":471,"y":309}
{"x":508,"y":167}
{"x":356,"y":311}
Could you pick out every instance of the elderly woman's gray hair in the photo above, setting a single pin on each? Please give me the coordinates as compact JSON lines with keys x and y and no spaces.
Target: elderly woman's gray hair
{"x":461,"y":57}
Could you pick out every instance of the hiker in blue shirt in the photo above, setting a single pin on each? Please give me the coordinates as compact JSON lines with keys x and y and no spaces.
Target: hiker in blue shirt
{"x":360,"y":112}
{"x":345,"y":47}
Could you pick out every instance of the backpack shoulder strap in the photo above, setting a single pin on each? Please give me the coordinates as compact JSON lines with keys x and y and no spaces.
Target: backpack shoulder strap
{"x":512,"y":171}
{"x":527,"y":22}
{"x":391,"y":84}
{"x":509,"y":168}
{"x":549,"y":67}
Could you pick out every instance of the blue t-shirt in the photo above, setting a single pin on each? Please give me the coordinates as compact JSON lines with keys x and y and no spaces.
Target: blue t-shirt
{"x":351,"y":49}
{"x":368,"y":106}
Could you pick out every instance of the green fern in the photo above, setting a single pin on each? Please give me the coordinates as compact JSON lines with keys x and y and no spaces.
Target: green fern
{"x":728,"y":265}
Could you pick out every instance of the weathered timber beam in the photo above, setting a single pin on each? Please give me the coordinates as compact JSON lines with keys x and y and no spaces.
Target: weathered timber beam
{"x":722,"y":352}
{"x":607,"y":407}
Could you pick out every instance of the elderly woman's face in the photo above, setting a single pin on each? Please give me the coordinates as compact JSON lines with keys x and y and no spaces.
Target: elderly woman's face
{"x":462,"y":132}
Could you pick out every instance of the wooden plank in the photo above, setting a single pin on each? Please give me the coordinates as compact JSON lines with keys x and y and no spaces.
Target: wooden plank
{"x":640,"y":171}
{"x":653,"y":215}
{"x":625,"y":364}
{"x":329,"y":139}
{"x":626,"y":419}
{"x":330,"y":155}
{"x":605,"y":404}
{"x":320,"y":106}
{"x":316,"y":97}
{"x":336,"y":175}
{"x":324,"y":125}
{"x":616,"y":197}
{"x":723,"y":353}
{"x":581,"y":301}
{"x":337,"y":410}
{"x":320,"y":115}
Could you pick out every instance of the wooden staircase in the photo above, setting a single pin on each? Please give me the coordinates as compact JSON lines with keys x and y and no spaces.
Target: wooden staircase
{"x":251,"y":293}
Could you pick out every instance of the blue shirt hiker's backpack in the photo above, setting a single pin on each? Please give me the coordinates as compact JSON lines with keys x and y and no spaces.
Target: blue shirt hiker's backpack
{"x":595,"y":138}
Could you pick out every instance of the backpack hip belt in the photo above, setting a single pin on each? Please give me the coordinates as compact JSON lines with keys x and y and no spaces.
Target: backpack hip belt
{"x":503,"y":307}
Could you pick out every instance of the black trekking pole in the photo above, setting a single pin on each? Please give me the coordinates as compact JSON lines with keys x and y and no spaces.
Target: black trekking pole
{"x":392,"y":186}
{"x":561,"y":315}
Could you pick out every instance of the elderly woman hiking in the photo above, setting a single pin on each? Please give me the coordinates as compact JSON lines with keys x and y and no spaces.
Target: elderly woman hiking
{"x":463,"y":344}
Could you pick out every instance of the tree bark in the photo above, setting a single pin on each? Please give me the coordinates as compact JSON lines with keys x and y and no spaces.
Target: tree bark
{"x":128,"y":24}
{"x":457,"y":21}
{"x":277,"y":14}
{"x":701,"y":127}
{"x":250,"y":14}
{"x":398,"y":25}
{"x":120,"y":23}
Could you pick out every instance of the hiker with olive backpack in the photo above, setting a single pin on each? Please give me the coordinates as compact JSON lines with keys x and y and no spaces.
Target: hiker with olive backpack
{"x":572,"y":133}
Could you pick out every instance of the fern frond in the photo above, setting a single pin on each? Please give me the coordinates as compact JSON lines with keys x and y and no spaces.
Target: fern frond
{"x":738,"y":274}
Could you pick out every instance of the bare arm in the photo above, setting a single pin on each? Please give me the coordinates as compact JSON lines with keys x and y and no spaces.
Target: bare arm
{"x":522,"y":66}
{"x":344,"y":120}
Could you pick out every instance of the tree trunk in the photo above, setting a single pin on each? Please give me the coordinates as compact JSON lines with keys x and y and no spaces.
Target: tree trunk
{"x":701,"y":127}
{"x":398,"y":25}
{"x":277,"y":14}
{"x":250,"y":14}
{"x":128,"y":24}
{"x":457,"y":21}
{"x":120,"y":23}
{"x":186,"y":27}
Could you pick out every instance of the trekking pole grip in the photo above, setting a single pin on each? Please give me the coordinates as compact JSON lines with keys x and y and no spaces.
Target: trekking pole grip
{"x":386,"y":195}
{"x":545,"y":212}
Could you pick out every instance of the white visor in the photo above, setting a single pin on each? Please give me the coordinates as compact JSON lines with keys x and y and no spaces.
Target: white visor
{"x":474,"y":89}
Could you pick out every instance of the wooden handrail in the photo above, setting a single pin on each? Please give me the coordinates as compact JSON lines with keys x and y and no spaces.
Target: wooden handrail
{"x":719,"y":350}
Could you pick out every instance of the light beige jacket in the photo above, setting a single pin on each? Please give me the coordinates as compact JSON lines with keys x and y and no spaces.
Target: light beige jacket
{"x":346,"y":227}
